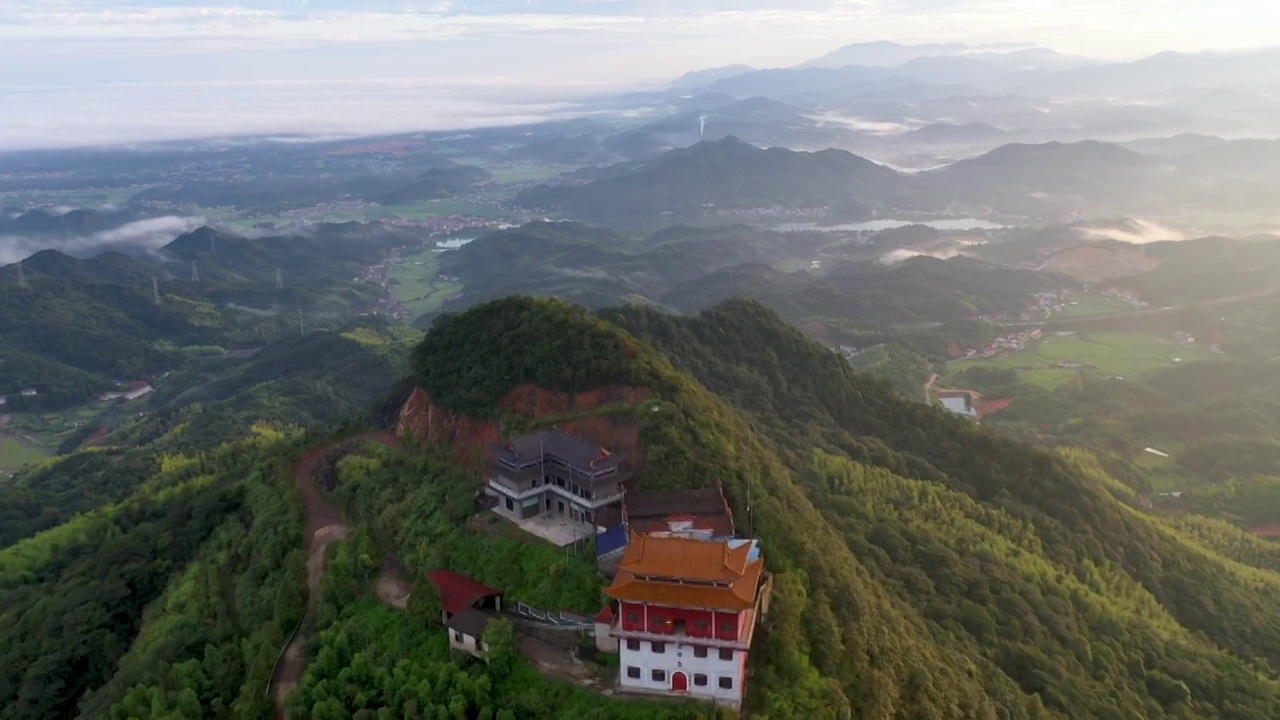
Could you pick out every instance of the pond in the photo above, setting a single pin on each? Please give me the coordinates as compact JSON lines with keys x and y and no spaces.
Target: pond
{"x":959,"y":405}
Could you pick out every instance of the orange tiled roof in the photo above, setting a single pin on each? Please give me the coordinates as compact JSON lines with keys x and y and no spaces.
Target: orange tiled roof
{"x":684,"y":558}
{"x":741,"y":595}
{"x":678,"y":558}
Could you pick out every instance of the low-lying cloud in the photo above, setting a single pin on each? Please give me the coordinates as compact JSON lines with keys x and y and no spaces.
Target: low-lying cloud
{"x":894,"y":257}
{"x":147,"y":235}
{"x":1135,"y":231}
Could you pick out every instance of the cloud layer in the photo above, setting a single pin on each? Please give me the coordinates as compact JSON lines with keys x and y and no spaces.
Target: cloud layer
{"x":149,"y":235}
{"x":58,"y":57}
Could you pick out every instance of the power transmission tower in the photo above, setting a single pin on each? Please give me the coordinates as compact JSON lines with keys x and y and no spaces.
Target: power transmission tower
{"x":301,"y":329}
{"x":155,"y":289}
{"x":22,"y":278}
{"x":279,"y":279}
{"x":195,"y":272}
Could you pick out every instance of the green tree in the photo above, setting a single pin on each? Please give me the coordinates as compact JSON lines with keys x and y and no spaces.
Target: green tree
{"x":425,"y":606}
{"x":501,"y":651}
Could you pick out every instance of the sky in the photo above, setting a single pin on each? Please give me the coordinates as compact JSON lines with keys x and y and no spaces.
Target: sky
{"x":101,"y":70}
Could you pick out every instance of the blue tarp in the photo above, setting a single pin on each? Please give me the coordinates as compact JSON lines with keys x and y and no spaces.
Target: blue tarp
{"x":611,"y":540}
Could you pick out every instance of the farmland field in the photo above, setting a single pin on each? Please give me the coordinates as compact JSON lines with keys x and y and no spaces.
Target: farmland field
{"x":532,"y":173}
{"x":1114,"y":354}
{"x":16,"y":452}
{"x":417,"y":286}
{"x":1090,"y":305}
{"x":436,"y":208}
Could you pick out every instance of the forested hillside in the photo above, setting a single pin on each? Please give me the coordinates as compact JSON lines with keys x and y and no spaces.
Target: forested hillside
{"x":896,"y":519}
{"x":925,"y":567}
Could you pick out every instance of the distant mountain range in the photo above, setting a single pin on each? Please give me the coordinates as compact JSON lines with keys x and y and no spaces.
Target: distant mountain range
{"x":718,"y":181}
{"x":887,"y":54}
{"x":712,"y":177}
{"x":1063,"y":97}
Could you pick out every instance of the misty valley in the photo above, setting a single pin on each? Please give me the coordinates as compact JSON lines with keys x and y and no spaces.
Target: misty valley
{"x":908,"y":381}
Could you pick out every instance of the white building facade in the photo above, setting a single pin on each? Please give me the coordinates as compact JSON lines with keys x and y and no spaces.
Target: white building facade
{"x":680,"y":666}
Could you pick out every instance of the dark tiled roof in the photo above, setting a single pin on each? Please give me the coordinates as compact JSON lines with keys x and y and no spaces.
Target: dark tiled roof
{"x":459,"y":592}
{"x":470,"y":621}
{"x":609,"y":517}
{"x":552,"y":442}
{"x":704,"y":509}
{"x":718,"y":526}
{"x":660,"y":503}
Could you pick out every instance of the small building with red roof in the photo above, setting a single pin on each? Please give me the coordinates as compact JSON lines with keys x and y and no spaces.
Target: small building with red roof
{"x":467,"y":607}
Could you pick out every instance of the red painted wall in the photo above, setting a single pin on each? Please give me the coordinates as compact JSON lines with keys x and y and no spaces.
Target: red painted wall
{"x":662,"y":621}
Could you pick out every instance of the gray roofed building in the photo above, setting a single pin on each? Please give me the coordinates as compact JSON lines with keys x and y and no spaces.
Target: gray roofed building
{"x":553,"y":444}
{"x":553,"y":473}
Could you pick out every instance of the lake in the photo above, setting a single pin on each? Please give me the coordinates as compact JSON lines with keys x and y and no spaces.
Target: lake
{"x":947,"y":224}
{"x":959,"y":405}
{"x":452,"y":243}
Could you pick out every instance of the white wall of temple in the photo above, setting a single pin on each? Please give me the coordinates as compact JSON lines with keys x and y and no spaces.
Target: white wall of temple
{"x":643,"y":669}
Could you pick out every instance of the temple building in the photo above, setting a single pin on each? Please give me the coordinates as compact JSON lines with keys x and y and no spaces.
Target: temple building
{"x":686,"y":612}
{"x":703,"y":513}
{"x":552,"y":472}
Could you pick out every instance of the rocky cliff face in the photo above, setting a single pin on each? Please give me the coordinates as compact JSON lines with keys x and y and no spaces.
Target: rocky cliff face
{"x":422,"y":418}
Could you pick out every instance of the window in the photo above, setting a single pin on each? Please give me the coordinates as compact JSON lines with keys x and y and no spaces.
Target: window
{"x":510,"y":505}
{"x":726,"y":683}
{"x":658,"y":647}
{"x":633,"y":644}
{"x":655,"y":619}
{"x":699,"y":651}
{"x":726,"y":654}
{"x":457,"y":636}
{"x":633,"y":672}
{"x":700,"y":680}
{"x":700,"y":624}
{"x":726,"y":627}
{"x":659,"y":675}
{"x":633,"y":616}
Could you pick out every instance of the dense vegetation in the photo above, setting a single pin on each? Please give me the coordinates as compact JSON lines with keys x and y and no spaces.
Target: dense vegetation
{"x":79,"y":325}
{"x":925,"y":567}
{"x":1118,"y":627}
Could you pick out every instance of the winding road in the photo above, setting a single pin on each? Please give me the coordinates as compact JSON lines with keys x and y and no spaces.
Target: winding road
{"x":325,"y":525}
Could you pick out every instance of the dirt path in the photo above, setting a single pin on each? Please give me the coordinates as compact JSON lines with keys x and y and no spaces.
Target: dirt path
{"x":325,"y":525}
{"x":929,"y":389}
{"x":390,"y":584}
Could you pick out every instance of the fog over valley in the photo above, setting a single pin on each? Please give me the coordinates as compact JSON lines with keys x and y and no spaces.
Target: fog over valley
{"x":710,"y":360}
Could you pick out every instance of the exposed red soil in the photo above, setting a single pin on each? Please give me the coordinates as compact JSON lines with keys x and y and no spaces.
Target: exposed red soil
{"x":986,"y":406}
{"x":97,"y":436}
{"x":1272,"y":530}
{"x":817,"y":331}
{"x":423,"y":419}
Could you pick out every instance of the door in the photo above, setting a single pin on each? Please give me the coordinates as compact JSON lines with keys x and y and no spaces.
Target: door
{"x":679,"y":682}
{"x":560,"y":505}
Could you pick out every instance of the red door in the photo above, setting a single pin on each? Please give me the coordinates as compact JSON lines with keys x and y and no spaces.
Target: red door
{"x":679,"y":682}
